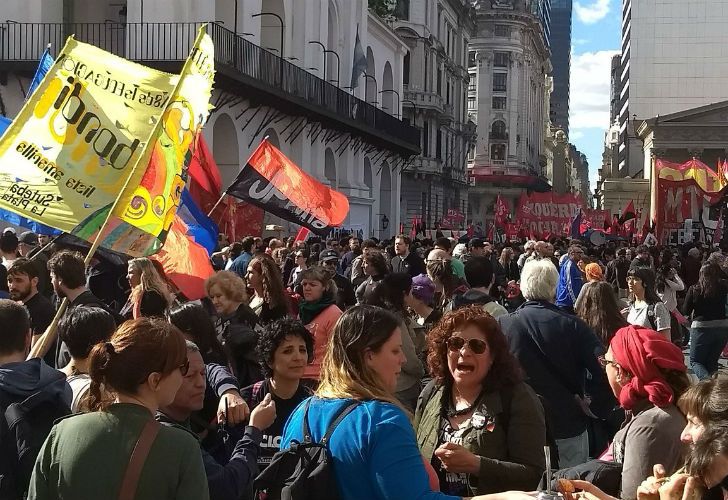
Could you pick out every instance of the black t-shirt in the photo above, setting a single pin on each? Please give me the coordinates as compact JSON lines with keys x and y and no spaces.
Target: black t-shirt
{"x":271,"y":442}
{"x":41,"y":312}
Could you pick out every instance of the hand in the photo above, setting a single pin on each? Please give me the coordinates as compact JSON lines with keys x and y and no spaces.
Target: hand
{"x":237,"y":408}
{"x":507,"y":495}
{"x":648,"y":490}
{"x":589,"y":491}
{"x":680,"y":487}
{"x":264,"y":414}
{"x":455,"y":458}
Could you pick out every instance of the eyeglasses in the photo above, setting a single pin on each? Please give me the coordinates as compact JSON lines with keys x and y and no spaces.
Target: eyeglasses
{"x":604,"y":362}
{"x":457,"y":343}
{"x":184,"y":367}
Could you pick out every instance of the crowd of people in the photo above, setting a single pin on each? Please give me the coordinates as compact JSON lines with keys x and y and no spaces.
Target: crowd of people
{"x":430,"y":369}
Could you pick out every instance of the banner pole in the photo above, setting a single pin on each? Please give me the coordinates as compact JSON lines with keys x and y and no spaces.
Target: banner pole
{"x":219,"y":200}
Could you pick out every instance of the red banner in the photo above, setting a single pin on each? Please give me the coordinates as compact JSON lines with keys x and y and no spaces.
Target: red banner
{"x":502,"y":211}
{"x":542,"y":213}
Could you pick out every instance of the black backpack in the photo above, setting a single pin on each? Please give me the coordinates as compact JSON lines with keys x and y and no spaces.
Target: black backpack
{"x":305,"y":470}
{"x":23,"y":430}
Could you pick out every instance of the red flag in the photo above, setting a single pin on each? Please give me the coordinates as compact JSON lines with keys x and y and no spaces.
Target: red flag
{"x":185,"y":263}
{"x":238,"y":219}
{"x":302,"y":234}
{"x":501,"y":211}
{"x":629,"y":213}
{"x":204,"y":183}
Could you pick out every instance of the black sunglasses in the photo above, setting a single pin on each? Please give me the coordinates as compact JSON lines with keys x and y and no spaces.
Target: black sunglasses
{"x":476,"y":345}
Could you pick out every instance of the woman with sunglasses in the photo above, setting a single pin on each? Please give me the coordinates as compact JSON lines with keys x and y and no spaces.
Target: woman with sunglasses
{"x":134,"y":374}
{"x":645,"y":307}
{"x":479,"y":424}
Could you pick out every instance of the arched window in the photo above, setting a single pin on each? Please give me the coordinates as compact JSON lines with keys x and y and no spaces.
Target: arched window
{"x":498,"y":152}
{"x":498,"y":130}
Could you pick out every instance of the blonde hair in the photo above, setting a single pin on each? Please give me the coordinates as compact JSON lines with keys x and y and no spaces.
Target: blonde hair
{"x":230,"y":284}
{"x":150,"y":280}
{"x":344,"y":372}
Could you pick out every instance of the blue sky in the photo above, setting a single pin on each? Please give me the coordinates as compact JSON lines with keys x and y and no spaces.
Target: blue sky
{"x":595,"y":37}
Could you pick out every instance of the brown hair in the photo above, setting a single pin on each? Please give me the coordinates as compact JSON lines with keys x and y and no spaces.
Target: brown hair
{"x":69,"y":268}
{"x":505,"y":370}
{"x":598,"y":308}
{"x":273,"y":291}
{"x":707,"y":400}
{"x":137,"y":349}
{"x":229,"y":283}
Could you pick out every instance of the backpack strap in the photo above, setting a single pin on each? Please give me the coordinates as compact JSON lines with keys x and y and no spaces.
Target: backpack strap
{"x":342,"y":414}
{"x":14,"y":412}
{"x":651,"y":316}
{"x":136,"y":462}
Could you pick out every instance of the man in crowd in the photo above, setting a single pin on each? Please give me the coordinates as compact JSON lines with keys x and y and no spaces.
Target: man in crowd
{"x":232,"y":476}
{"x":8,"y":247}
{"x":479,"y":275}
{"x":23,"y":287}
{"x":357,"y":269}
{"x":406,"y":261}
{"x":28,"y":248}
{"x":345,"y":298}
{"x":348,"y":258}
{"x":444,"y":244}
{"x":617,"y":273}
{"x":556,"y":349}
{"x":643,"y":259}
{"x":240,"y":264}
{"x":570,"y":280}
{"x":528,"y":250}
{"x":21,"y":380}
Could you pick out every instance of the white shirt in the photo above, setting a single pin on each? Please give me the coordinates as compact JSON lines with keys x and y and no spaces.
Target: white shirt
{"x":668,"y":295}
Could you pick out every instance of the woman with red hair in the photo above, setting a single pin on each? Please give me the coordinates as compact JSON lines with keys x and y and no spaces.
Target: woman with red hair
{"x":647,"y":374}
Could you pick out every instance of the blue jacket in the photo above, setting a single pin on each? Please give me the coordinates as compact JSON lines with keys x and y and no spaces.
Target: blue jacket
{"x":374,"y":450}
{"x":570,"y":283}
{"x":240,"y":264}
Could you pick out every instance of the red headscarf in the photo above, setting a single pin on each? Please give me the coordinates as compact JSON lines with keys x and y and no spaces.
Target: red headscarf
{"x":641,"y":352}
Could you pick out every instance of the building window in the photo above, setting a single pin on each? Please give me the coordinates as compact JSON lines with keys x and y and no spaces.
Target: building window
{"x":471,"y":85}
{"x":498,"y":152}
{"x":498,"y":130}
{"x":426,"y":139}
{"x":406,"y":69}
{"x":471,"y":59}
{"x":502,"y":30}
{"x":500,"y":82}
{"x":401,"y":10}
{"x":438,"y":146}
{"x":501,"y":59}
{"x":499,"y":103}
{"x":471,"y":103}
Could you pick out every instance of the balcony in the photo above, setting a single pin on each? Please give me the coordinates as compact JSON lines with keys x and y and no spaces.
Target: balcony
{"x":242,"y":68}
{"x":455,"y":175}
{"x":496,"y":173}
{"x":426,"y":166}
{"x":424,"y":100}
{"x":448,"y":114}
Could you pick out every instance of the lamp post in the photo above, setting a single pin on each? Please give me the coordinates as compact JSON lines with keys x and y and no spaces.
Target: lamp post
{"x":398,"y":99}
{"x":280,"y":19}
{"x":328,"y":51}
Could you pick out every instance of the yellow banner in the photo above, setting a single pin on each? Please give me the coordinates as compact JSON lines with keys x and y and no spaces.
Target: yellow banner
{"x":98,"y":128}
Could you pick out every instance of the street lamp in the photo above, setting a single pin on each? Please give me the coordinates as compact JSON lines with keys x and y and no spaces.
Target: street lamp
{"x":398,"y":99}
{"x":327,"y":51}
{"x":280,"y":19}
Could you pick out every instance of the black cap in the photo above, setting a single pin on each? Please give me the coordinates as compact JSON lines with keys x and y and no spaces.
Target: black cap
{"x":328,"y":255}
{"x":29,"y":238}
{"x":477,"y":243}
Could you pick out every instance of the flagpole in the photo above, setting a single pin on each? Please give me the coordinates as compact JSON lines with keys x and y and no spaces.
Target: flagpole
{"x":40,"y":348}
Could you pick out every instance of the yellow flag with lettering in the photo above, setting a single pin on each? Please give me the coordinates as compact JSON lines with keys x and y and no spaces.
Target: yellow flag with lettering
{"x":103,"y":133}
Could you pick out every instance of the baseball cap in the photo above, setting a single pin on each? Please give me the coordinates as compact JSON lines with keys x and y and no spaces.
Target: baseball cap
{"x":423,"y":288}
{"x":328,"y":255}
{"x":477,"y":243}
{"x":29,"y":238}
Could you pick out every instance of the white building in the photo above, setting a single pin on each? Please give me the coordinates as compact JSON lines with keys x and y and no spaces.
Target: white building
{"x":354,"y":142}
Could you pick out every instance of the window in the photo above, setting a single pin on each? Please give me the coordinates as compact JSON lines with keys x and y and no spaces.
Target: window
{"x":500,"y":81}
{"x":438,"y":146}
{"x":498,"y":152}
{"x":471,"y":86}
{"x":401,"y":10}
{"x":426,"y":139}
{"x":501,"y":59}
{"x":502,"y":30}
{"x":439,"y":81}
{"x":498,"y":130}
{"x":471,"y":59}
{"x":406,"y":69}
{"x":499,"y":103}
{"x":471,"y":103}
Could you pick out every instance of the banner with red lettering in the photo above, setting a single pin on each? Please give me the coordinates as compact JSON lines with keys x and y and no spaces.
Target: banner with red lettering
{"x":502,"y":210}
{"x":550,"y":213}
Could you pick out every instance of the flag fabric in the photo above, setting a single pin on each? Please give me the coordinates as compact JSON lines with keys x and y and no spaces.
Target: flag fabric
{"x":575,"y":230}
{"x":118,"y":132}
{"x":44,"y":65}
{"x":723,"y":173}
{"x":359,"y":62}
{"x":502,"y":210}
{"x":204,"y":181}
{"x":36,"y":227}
{"x":238,"y":219}
{"x":201,"y":228}
{"x":4,"y":124}
{"x":274,"y":183}
{"x":302,"y":234}
{"x":186,"y":264}
{"x":629,"y":213}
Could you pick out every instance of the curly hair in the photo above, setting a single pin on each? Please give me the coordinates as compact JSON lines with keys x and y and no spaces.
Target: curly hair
{"x":273,"y":292}
{"x":229,"y":283}
{"x":273,"y":335}
{"x":378,"y":262}
{"x":505,"y":370}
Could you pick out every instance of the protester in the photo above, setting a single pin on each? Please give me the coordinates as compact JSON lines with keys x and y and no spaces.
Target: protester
{"x":375,"y":269}
{"x":345,"y":296}
{"x":231,"y":477}
{"x":240,"y":265}
{"x":691,"y":267}
{"x":196,"y":325}
{"x":301,"y":259}
{"x":285,"y":348}
{"x":81,"y":330}
{"x":509,"y":264}
{"x":480,"y":277}
{"x":357,"y":265}
{"x":141,"y":367}
{"x":269,"y":301}
{"x":37,"y":393}
{"x":570,"y":280}
{"x":478,"y":392}
{"x":645,"y":307}
{"x":318,"y":311}
{"x":668,"y":284}
{"x":705,"y":304}
{"x":708,"y":462}
{"x":556,"y":349}
{"x":420,"y":301}
{"x":345,"y":267}
{"x":597,"y":307}
{"x":406,"y":261}
{"x":150,"y":295}
{"x":443,"y":249}
{"x":8,"y":247}
{"x":643,"y":258}
{"x":528,"y":250}
{"x":28,"y":248}
{"x":617,"y":273}
{"x":23,"y":286}
{"x":704,"y":405}
{"x":235,"y":323}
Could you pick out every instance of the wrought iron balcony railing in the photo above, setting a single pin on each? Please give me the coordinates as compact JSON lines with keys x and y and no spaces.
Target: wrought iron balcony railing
{"x":235,"y":57}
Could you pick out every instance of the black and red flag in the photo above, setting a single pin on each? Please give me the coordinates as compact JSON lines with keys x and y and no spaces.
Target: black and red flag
{"x":629,"y":213}
{"x":274,"y":183}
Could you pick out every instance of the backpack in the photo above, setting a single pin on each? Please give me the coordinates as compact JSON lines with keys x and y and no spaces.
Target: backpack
{"x":305,"y":470}
{"x":651,"y":316}
{"x":23,"y":430}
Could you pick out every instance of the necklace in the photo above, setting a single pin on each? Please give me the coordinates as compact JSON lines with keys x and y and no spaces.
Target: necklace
{"x":452,"y":412}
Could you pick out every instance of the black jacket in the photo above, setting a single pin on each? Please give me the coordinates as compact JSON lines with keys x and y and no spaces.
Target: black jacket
{"x":345,"y":297}
{"x":240,"y":337}
{"x":412,"y":264}
{"x":556,"y":349}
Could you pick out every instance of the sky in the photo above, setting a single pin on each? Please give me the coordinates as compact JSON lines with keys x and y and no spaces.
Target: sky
{"x":595,"y":38}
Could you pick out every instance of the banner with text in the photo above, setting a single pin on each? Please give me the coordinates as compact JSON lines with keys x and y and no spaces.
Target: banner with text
{"x":549,"y":213}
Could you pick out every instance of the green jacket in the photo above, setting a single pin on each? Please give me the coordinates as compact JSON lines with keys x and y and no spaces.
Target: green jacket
{"x":85,"y":457}
{"x":511,"y":459}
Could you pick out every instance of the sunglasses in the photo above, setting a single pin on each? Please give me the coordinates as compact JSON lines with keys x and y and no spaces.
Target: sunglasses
{"x":184,"y":367}
{"x":476,"y":345}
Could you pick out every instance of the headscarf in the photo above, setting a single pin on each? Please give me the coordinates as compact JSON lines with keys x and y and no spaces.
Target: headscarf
{"x":642,"y":352}
{"x":593,"y":272}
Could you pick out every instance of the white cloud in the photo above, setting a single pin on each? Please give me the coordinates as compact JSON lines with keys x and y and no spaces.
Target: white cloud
{"x":579,"y":41}
{"x":589,"y":92}
{"x":592,"y":13}
{"x":577,"y":134}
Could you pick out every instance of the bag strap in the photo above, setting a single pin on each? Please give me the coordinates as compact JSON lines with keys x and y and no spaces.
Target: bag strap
{"x":342,"y":414}
{"x":14,"y":412}
{"x":651,"y":316}
{"x":136,"y":462}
